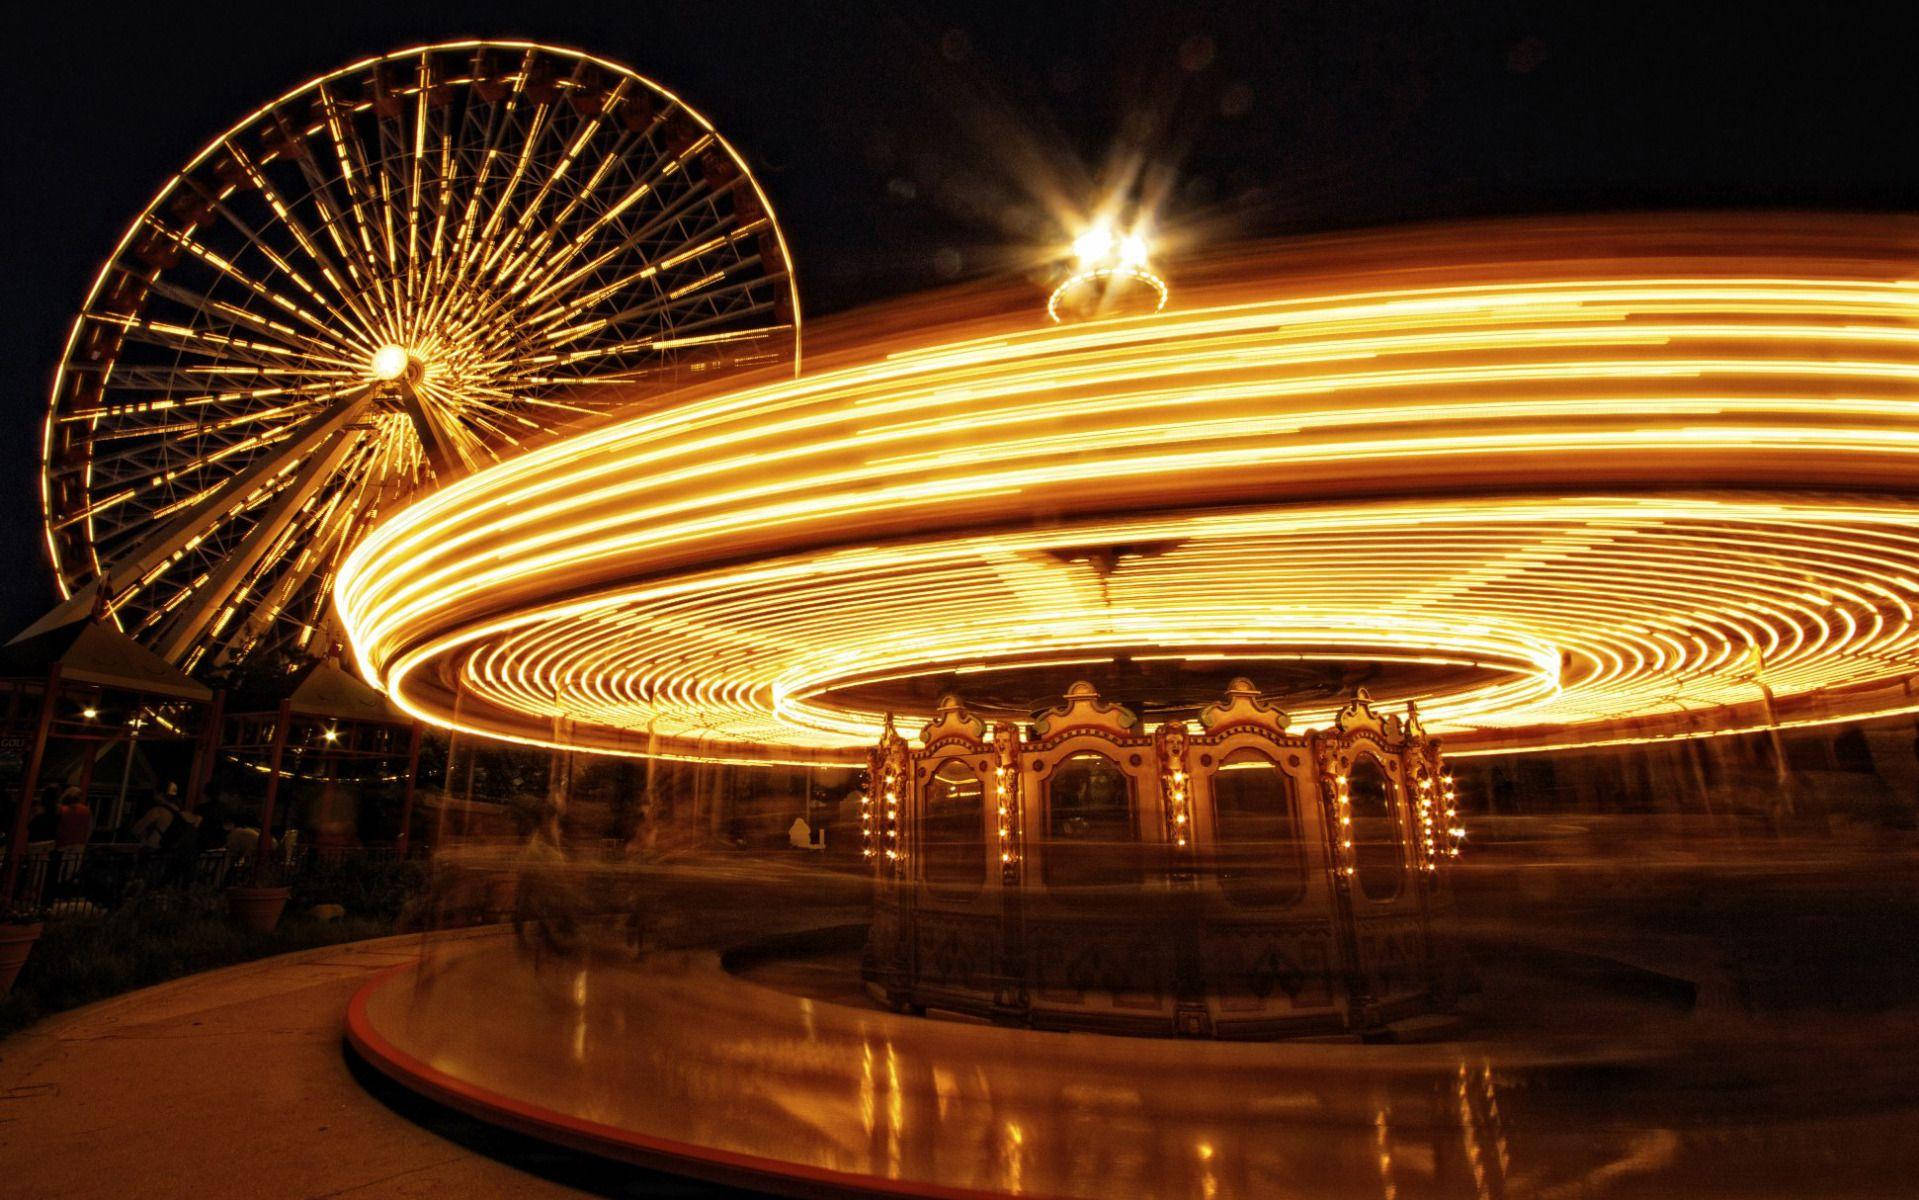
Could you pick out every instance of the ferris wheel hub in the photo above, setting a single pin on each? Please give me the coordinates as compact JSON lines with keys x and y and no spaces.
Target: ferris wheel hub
{"x":391,"y":362}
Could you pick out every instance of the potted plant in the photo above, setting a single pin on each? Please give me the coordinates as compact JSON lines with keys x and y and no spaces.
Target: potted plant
{"x":20,"y":927}
{"x":257,"y":903}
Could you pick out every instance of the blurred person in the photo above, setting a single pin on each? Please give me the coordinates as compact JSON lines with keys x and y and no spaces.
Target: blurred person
{"x":242,"y":842}
{"x":216,"y":821}
{"x":179,"y":849}
{"x":75,"y":820}
{"x":151,"y":828}
{"x":546,"y":901}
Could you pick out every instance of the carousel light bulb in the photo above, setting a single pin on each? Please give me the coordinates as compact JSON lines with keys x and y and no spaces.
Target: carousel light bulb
{"x":1132,"y":250}
{"x":1093,"y":245}
{"x":89,"y":713}
{"x":390,"y":361}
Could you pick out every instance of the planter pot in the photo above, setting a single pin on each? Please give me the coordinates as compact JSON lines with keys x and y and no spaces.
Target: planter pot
{"x":16,"y":942}
{"x":257,"y":908}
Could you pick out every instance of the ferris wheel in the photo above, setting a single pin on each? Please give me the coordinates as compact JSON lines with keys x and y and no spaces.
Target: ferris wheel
{"x":396,"y":273}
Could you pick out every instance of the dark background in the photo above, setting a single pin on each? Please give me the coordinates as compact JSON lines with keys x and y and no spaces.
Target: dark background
{"x":913,"y":144}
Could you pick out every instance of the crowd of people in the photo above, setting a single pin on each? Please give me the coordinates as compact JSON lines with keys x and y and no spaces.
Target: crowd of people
{"x":170,"y":841}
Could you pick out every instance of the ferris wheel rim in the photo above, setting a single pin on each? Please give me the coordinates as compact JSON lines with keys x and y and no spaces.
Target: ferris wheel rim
{"x":74,"y":571}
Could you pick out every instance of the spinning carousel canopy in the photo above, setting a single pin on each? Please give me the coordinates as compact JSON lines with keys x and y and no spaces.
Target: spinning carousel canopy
{"x":1565,"y":482}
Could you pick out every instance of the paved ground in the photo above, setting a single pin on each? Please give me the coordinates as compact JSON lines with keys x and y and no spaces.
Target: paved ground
{"x":234,"y":1084}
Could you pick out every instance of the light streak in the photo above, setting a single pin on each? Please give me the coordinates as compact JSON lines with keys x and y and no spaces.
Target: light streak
{"x":1586,"y":484}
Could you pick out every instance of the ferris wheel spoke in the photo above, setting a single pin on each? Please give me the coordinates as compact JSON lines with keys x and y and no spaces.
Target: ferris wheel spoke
{"x":343,"y":301}
{"x":663,"y":302}
{"x":211,"y":506}
{"x":633,"y":239}
{"x":317,"y":324}
{"x":175,"y":429}
{"x":125,"y":419}
{"x":606,"y":291}
{"x":539,"y":272}
{"x":223,"y":267}
{"x":266,"y":533}
{"x":505,"y":261}
{"x":518,"y":274}
{"x":355,"y":277}
{"x":499,"y":234}
{"x":648,"y":184}
{"x":153,"y":483}
{"x":354,"y":182}
{"x":139,"y":444}
{"x":324,"y":349}
{"x":500,"y":122}
{"x":226,"y":354}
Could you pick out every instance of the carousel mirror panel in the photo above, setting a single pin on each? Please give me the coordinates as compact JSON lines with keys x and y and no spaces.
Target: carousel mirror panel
{"x":953,"y":830}
{"x":1092,"y":829}
{"x":1261,"y":855}
{"x":1377,"y":849}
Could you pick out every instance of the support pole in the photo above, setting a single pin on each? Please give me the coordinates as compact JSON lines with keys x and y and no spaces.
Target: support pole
{"x":406,"y":803}
{"x":265,"y":847}
{"x":205,"y":750}
{"x":126,"y":772}
{"x":29,"y":782}
{"x":1784,"y":805}
{"x":452,"y":744}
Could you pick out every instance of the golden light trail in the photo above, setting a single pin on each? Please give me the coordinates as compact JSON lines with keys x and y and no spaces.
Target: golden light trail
{"x":1600,"y":479}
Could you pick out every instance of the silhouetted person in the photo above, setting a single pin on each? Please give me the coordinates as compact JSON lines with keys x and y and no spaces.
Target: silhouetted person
{"x":45,"y":821}
{"x":70,"y":834}
{"x":180,"y":849}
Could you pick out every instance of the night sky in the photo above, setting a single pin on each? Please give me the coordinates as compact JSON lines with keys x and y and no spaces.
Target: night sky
{"x":909,"y":145}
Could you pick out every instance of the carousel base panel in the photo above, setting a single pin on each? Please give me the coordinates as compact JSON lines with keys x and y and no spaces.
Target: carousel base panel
{"x":671,"y":1062}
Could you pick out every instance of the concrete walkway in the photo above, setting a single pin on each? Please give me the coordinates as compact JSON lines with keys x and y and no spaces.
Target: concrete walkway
{"x":233,"y":1083}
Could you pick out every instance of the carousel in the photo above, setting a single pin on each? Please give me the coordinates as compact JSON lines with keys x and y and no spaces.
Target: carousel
{"x":1234,"y":880}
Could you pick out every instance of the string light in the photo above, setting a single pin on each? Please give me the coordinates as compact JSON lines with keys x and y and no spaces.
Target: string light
{"x":1428,"y":824}
{"x":1343,"y":809}
{"x":1455,"y":832}
{"x":868,"y":834}
{"x":1176,"y":804}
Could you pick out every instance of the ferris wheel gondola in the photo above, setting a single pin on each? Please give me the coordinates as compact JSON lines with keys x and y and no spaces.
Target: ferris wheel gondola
{"x":404,"y":270}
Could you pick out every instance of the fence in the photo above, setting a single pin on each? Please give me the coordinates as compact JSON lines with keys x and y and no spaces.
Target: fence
{"x":77,"y":880}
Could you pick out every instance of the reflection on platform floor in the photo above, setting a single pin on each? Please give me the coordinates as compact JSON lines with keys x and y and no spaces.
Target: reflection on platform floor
{"x":673,"y":1049}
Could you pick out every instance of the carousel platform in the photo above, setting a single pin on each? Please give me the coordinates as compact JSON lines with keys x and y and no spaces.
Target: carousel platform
{"x":673,"y":1063}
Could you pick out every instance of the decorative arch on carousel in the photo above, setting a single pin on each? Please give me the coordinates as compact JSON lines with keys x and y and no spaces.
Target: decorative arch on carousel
{"x":1239,"y":878}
